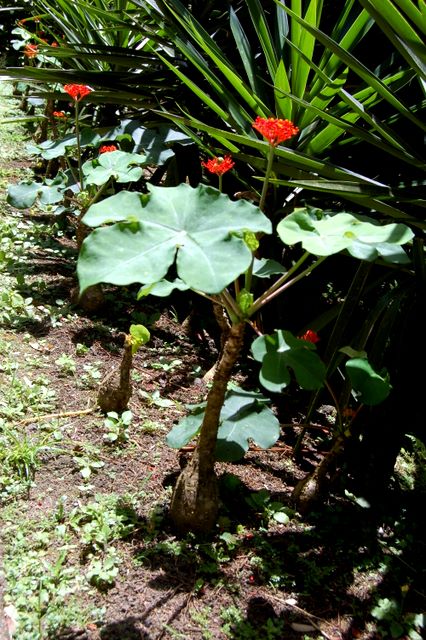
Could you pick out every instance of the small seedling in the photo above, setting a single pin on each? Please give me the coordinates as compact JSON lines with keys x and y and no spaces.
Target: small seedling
{"x":67,"y":364}
{"x":92,"y":375}
{"x":81,"y":349}
{"x":87,"y":465}
{"x":166,"y":365}
{"x":156,"y":399}
{"x":103,"y":571}
{"x":117,"y":426}
{"x":269,"y":510}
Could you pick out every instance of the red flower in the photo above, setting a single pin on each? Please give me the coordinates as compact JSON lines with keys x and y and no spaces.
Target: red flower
{"x":30,"y":50}
{"x":219,"y":166}
{"x":275,"y":130}
{"x":54,"y":44}
{"x":59,"y":114}
{"x":77,"y":91}
{"x":310,"y":336}
{"x":107,"y":148}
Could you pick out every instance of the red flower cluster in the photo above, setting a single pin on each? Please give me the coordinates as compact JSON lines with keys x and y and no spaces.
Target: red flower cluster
{"x":275,"y":130}
{"x":59,"y":114}
{"x":30,"y":50}
{"x":77,"y":91}
{"x":219,"y":166}
{"x":107,"y":148}
{"x":310,"y":336}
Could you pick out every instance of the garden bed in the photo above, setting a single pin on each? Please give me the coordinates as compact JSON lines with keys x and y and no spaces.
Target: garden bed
{"x":88,"y":550}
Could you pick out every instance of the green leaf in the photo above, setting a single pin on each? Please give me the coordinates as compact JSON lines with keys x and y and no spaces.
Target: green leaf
{"x":201,"y":229}
{"x":244,"y":417}
{"x":265,"y":268}
{"x":162,"y":289}
{"x":326,"y":233}
{"x":24,"y":194}
{"x":122,"y":206}
{"x":371,"y":387}
{"x":140,"y":335}
{"x":114,"y":164}
{"x":281,"y":517}
{"x":281,"y":352}
{"x":51,"y":149}
{"x":245,"y":301}
{"x":184,"y":431}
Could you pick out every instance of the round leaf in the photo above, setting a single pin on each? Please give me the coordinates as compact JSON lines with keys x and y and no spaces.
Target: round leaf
{"x":201,"y":227}
{"x":326,"y":233}
{"x":371,"y":387}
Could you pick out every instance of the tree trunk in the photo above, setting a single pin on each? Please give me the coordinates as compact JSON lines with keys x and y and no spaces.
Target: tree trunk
{"x":116,"y":390}
{"x":309,"y":491}
{"x":195,"y":501}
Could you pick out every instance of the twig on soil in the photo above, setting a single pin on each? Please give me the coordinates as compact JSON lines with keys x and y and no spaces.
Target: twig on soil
{"x":63,"y":414}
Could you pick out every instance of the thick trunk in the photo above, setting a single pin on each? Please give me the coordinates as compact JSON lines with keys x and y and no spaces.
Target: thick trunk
{"x":116,"y":390}
{"x":308,"y":491}
{"x":195,"y":500}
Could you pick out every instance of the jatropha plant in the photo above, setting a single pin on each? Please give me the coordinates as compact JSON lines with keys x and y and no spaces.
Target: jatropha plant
{"x":213,"y":244}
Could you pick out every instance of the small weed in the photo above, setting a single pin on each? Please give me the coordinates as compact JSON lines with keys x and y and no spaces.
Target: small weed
{"x":102,"y":572}
{"x":81,"y":349}
{"x":155,"y":399}
{"x":261,"y":503}
{"x":41,"y":584}
{"x":165,"y":364}
{"x":87,"y":464}
{"x":91,"y":376}
{"x":117,"y":427}
{"x":102,"y":521}
{"x":150,"y":426}
{"x":19,"y":459}
{"x":202,"y":618}
{"x":394,"y":623}
{"x":67,"y":364}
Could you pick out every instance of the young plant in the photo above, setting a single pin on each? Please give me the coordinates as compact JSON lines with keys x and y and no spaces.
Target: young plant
{"x":116,"y":390}
{"x":117,"y":426}
{"x":212,"y":241}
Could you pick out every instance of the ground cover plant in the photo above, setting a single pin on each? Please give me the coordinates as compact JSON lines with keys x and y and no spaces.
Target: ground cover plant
{"x":241,"y":539}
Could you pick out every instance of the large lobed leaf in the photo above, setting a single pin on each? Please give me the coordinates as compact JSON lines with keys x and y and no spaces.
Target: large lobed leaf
{"x":281,"y":352}
{"x":244,"y":417}
{"x":27,"y":192}
{"x":370,"y":387}
{"x":325,"y":233}
{"x":118,"y":165}
{"x":201,"y":229}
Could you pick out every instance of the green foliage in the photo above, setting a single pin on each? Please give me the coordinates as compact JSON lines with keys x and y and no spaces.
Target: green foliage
{"x":392,"y":620}
{"x":139,"y":336}
{"x":324,"y":233}
{"x":370,"y":387}
{"x":67,"y":364}
{"x":262,"y":503}
{"x":244,"y":417}
{"x":117,"y":426}
{"x":118,"y":165}
{"x":28,"y":192}
{"x":199,"y":229}
{"x":236,"y":627}
{"x":280,"y":352}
